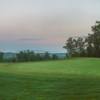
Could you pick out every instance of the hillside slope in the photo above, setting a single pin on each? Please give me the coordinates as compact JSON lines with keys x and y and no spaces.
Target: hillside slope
{"x":74,"y":79}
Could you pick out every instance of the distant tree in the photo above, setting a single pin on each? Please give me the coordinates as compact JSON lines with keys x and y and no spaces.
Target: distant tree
{"x":1,"y":56}
{"x":47,"y":56}
{"x":20,"y":56}
{"x":38,"y":57}
{"x":26,"y":55}
{"x":54,"y":57}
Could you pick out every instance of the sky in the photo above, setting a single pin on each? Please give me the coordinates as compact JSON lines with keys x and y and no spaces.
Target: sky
{"x":45,"y":24}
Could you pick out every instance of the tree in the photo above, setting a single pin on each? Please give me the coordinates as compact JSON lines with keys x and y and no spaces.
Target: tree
{"x":26,"y":55}
{"x":69,"y":46}
{"x":38,"y":57}
{"x":54,"y":57}
{"x":47,"y":56}
{"x":1,"y":56}
{"x":90,"y":46}
{"x":75,"y":46}
{"x":93,"y":41}
{"x":80,"y":46}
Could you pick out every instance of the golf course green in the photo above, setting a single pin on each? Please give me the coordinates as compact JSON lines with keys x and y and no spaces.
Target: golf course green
{"x":71,"y":79}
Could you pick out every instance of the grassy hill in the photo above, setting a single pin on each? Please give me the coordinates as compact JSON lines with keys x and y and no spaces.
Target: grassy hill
{"x":74,"y":79}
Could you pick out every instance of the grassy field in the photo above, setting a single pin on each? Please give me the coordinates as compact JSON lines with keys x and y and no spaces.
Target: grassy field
{"x":74,"y":79}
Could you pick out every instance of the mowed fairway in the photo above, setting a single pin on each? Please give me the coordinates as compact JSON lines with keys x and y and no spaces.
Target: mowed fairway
{"x":74,"y":79}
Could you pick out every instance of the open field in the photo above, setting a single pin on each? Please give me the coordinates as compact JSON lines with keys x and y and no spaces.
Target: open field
{"x":74,"y":79}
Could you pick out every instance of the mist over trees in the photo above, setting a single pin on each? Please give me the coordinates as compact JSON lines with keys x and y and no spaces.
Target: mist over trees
{"x":85,"y":46}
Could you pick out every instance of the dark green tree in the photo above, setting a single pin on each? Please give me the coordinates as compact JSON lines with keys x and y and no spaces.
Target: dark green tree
{"x":70,"y":46}
{"x":80,"y":46}
{"x":75,"y":46}
{"x":47,"y":56}
{"x":1,"y":56}
{"x":26,"y":55}
{"x":54,"y":57}
{"x":93,"y":41}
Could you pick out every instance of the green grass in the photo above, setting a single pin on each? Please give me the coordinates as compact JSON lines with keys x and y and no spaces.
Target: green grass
{"x":74,"y":79}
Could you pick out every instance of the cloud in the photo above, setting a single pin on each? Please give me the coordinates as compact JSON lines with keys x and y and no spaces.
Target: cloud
{"x":31,"y":39}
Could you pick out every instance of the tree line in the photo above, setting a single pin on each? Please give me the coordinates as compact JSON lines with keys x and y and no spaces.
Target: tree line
{"x":88,"y":46}
{"x":27,"y":56}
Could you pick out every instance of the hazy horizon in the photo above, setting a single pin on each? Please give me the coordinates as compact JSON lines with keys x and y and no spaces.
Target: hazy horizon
{"x":44,"y":24}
